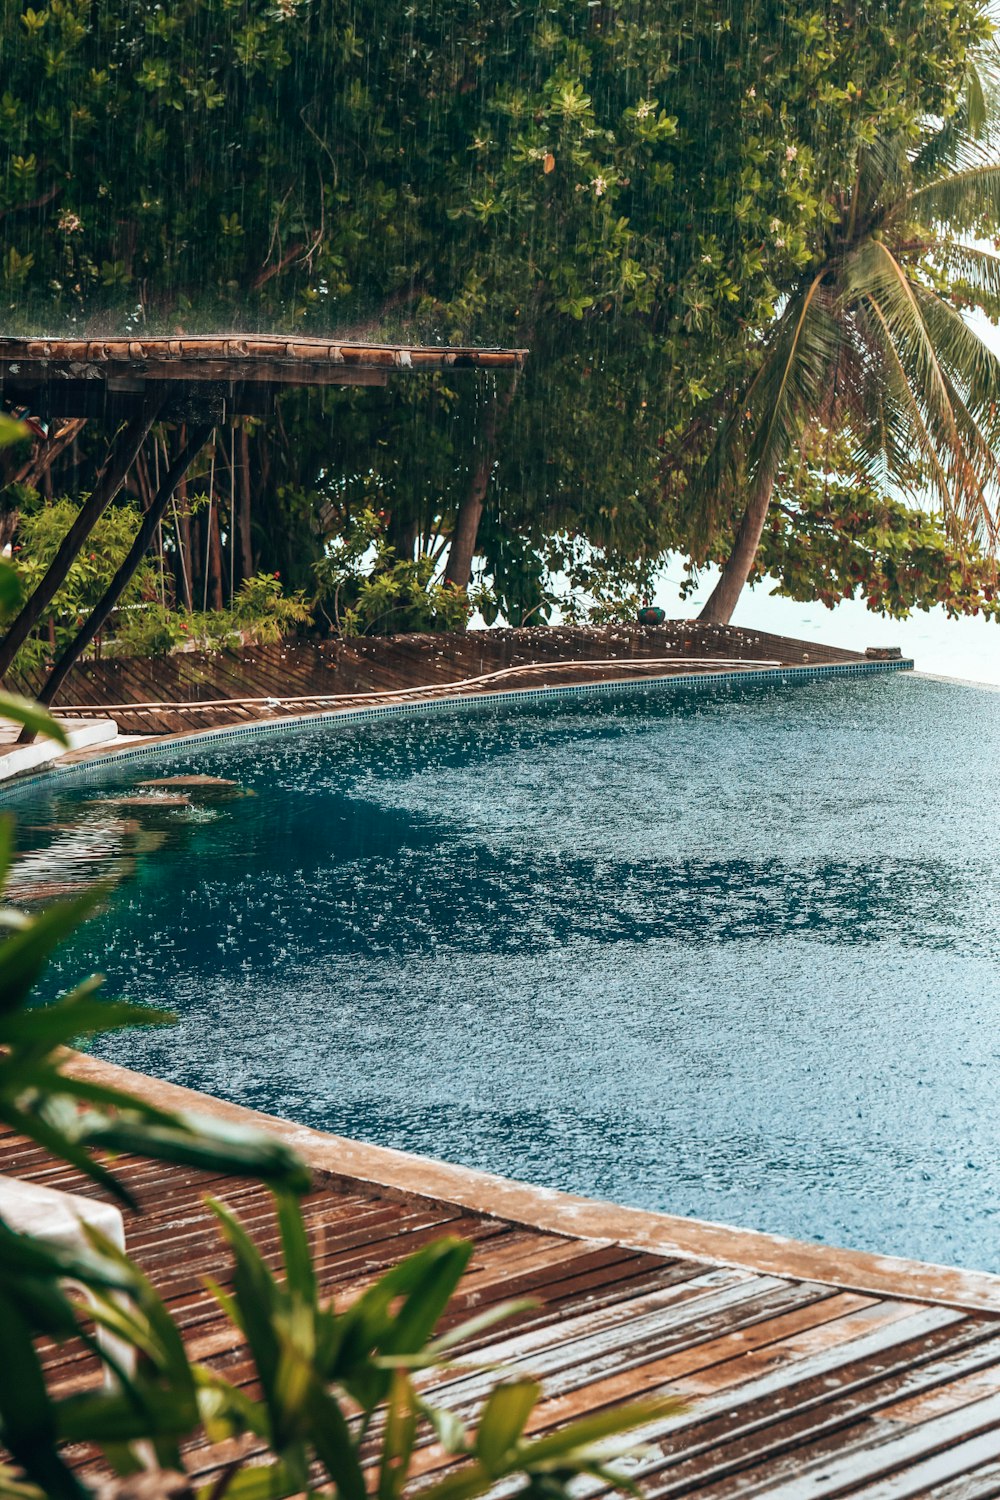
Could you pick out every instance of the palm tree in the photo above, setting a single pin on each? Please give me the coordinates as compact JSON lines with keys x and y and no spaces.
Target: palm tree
{"x":872,"y":343}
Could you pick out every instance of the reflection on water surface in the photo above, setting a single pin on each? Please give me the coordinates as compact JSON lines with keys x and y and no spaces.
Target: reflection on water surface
{"x":731,"y":955}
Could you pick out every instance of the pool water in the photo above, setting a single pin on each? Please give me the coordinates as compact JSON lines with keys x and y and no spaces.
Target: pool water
{"x":731,"y":954}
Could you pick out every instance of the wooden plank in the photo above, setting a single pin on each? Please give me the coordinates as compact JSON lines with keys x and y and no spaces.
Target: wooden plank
{"x":612,"y":1296}
{"x":974,"y":1427}
{"x":973,"y":1484}
{"x":750,"y":1401}
{"x":734,"y":1448}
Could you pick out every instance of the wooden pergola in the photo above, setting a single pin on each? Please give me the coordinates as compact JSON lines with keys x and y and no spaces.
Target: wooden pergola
{"x":204,"y":382}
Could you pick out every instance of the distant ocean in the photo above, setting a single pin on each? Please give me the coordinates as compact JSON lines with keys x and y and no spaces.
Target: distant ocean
{"x":966,"y":648}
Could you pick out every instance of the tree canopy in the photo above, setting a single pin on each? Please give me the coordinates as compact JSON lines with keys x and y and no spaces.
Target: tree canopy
{"x":632,"y":191}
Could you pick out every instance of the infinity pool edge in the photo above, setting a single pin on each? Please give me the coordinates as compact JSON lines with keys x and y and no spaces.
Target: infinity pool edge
{"x":88,"y":762}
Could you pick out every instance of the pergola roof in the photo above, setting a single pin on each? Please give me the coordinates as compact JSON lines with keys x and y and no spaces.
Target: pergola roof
{"x":210,"y":377}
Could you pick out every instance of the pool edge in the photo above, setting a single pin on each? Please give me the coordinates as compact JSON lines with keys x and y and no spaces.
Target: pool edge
{"x":156,"y":745}
{"x":389,"y":1171}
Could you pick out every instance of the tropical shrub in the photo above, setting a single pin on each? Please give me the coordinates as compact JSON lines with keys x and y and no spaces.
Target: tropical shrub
{"x":363,"y":588}
{"x":261,"y":614}
{"x":41,"y":528}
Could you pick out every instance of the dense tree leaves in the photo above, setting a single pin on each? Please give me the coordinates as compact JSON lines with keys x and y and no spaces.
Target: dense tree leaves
{"x":630,"y":191}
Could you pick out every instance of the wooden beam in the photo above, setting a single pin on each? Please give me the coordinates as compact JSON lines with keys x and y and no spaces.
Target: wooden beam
{"x":154,"y":515}
{"x":120,"y":460}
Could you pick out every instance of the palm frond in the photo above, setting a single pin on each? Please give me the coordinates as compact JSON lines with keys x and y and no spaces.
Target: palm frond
{"x":975,"y":269}
{"x":964,"y":202}
{"x":794,"y":377}
{"x":944,"y":374}
{"x":907,"y":429}
{"x":971,"y":364}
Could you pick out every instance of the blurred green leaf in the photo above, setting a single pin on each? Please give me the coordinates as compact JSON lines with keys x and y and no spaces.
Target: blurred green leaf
{"x":502,"y":1422}
{"x":11,"y":592}
{"x":31,"y":716}
{"x":11,"y":431}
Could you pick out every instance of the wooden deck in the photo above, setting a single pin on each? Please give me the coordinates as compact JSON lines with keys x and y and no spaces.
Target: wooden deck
{"x":864,"y":1377}
{"x":199,"y":690}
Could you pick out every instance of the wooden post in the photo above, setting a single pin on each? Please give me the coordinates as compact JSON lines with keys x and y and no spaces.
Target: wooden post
{"x":199,"y":436}
{"x":245,"y":507}
{"x":112,"y":478}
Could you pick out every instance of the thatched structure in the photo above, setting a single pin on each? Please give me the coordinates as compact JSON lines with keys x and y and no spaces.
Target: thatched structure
{"x":200,"y":381}
{"x":201,"y":378}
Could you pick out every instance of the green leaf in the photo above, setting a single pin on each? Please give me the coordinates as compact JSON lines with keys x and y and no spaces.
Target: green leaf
{"x":17,"y":1489}
{"x":471,"y":1327}
{"x":500,"y":1427}
{"x":204,"y":1143}
{"x":24,"y":954}
{"x":32,"y":716}
{"x":580,"y":1436}
{"x":398,"y":1437}
{"x":27,"y":1122}
{"x":297,"y":1256}
{"x":271,"y":1481}
{"x":11,"y":431}
{"x":27,"y":1416}
{"x":11,"y":593}
{"x":76,"y":1015}
{"x":335,"y":1447}
{"x":449,"y":1429}
{"x":257,"y":1298}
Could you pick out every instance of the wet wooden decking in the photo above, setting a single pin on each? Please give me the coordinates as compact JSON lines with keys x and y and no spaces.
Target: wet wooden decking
{"x":190,"y":691}
{"x":795,"y":1386}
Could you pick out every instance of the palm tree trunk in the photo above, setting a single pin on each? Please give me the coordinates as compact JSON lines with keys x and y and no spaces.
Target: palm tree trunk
{"x":724,"y":597}
{"x":110,"y":482}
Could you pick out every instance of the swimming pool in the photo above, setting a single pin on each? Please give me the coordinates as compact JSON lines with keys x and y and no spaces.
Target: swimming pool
{"x":731,"y":954}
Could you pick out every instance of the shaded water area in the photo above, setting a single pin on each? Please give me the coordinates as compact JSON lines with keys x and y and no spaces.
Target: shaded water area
{"x":731,"y":954}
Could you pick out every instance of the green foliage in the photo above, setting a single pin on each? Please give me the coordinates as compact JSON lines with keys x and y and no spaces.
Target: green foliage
{"x":263,"y":608}
{"x":364,"y":589}
{"x":599,"y":587}
{"x":833,"y":539}
{"x":631,"y":191}
{"x":830,"y":537}
{"x":41,"y":529}
{"x":308,"y":1357}
{"x":261,"y":611}
{"x":871,"y":343}
{"x":11,"y":431}
{"x":261,"y":614}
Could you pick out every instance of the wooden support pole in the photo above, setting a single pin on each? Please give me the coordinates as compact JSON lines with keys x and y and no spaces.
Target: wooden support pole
{"x":197,"y":439}
{"x":120,"y":460}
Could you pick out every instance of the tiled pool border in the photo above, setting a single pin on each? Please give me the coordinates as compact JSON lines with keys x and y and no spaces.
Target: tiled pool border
{"x":666,"y":683}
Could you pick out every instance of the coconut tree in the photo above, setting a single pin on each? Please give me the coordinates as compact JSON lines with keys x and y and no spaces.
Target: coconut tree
{"x":872,"y":343}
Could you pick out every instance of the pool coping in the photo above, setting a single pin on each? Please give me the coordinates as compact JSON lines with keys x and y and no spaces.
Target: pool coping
{"x":393,"y":1173}
{"x":429,"y":704}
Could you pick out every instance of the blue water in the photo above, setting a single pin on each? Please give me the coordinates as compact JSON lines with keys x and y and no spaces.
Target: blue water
{"x":728,"y":954}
